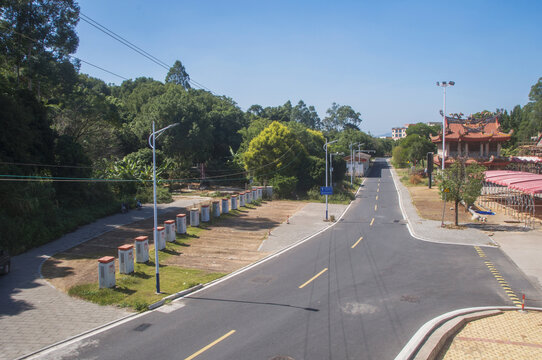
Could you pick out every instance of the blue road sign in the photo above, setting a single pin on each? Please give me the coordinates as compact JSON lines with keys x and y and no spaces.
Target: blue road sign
{"x":326,"y":190}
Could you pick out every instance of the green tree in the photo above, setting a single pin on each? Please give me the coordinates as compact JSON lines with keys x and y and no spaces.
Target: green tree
{"x":340,"y":116}
{"x":416,"y":147}
{"x":399,"y":157}
{"x":305,"y":115}
{"x":38,"y":36}
{"x":462,"y":183}
{"x":89,"y":116}
{"x":178,"y":75}
{"x":423,"y":130}
{"x":275,"y":151}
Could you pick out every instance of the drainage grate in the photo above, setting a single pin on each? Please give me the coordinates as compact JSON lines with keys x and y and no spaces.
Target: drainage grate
{"x":142,"y":327}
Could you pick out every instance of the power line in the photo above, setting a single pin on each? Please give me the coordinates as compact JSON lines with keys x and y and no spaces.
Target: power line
{"x":70,"y":56}
{"x":117,"y":37}
{"x":134,"y":47}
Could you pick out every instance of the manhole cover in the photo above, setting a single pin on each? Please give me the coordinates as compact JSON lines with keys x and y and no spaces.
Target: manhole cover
{"x":142,"y":327}
{"x":281,"y":357}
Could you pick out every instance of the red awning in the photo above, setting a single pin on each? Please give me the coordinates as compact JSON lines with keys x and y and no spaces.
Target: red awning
{"x":518,"y":180}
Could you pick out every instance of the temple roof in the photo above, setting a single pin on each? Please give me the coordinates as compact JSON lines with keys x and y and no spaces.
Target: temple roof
{"x":472,"y":129}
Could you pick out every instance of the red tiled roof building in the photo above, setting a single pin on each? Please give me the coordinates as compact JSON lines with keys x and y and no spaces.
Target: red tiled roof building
{"x":476,"y":140}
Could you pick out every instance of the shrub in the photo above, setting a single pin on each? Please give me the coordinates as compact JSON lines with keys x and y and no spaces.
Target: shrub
{"x":283,"y":186}
{"x":415,"y":179}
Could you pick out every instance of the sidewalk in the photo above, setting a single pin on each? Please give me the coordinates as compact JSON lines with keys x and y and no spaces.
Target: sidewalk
{"x":33,"y":314}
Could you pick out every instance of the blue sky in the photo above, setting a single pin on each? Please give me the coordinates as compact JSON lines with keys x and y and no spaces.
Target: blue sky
{"x":383,"y":58}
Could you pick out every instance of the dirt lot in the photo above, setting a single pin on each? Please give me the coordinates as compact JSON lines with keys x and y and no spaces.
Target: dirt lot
{"x":222,"y":247}
{"x":430,"y":205}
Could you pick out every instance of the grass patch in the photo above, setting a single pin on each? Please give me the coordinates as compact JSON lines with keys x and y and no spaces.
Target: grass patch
{"x":137,"y":290}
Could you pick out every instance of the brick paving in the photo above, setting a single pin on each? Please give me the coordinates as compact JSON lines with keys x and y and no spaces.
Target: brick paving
{"x":511,"y":335}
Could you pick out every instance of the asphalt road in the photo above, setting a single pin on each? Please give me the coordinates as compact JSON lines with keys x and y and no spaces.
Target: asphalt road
{"x":360,"y":290}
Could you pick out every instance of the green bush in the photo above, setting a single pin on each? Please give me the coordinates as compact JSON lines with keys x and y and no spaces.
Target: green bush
{"x":283,"y":186}
{"x":145,"y":194}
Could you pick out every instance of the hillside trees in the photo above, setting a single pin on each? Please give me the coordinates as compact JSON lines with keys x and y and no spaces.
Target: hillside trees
{"x":37,"y":38}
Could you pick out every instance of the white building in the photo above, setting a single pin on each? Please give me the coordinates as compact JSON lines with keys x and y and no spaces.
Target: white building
{"x":360,"y":163}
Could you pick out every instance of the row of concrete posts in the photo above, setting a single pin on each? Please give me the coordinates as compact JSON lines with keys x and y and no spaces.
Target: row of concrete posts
{"x":106,"y":264}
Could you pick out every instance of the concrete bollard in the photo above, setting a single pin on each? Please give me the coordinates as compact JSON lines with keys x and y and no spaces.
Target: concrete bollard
{"x":242,"y":199}
{"x":249,"y":196}
{"x":205,"y":213}
{"x":142,"y":249}
{"x":254,"y":194}
{"x":161,"y":237}
{"x":170,"y":230}
{"x":260,"y":192}
{"x":234,"y":202}
{"x":225,"y":207}
{"x":269,"y":192}
{"x":106,"y":272}
{"x":126,"y":259}
{"x":181,"y":223}
{"x":216,"y":208}
{"x":194,"y":217}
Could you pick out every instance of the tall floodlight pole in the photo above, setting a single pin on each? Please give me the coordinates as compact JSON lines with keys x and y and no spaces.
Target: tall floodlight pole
{"x":444,"y":85}
{"x":153,"y":136}
{"x":325,"y":148}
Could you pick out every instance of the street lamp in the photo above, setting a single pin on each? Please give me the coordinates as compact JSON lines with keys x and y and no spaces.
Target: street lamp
{"x":359,"y":152}
{"x":444,"y":85}
{"x":153,"y":136}
{"x":351,"y":164}
{"x":325,"y":148}
{"x":331,"y":166}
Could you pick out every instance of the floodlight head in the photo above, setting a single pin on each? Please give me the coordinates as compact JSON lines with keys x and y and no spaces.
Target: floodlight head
{"x":438,"y":83}
{"x":452,"y":83}
{"x":444,"y":83}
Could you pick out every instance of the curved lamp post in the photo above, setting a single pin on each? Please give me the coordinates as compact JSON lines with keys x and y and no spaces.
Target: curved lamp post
{"x":153,"y":136}
{"x":444,"y":85}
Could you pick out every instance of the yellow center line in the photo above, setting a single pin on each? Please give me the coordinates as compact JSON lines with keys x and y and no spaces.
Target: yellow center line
{"x":377,"y":190}
{"x":210,"y":345}
{"x":357,"y":242}
{"x":376,"y":197}
{"x":311,"y":279}
{"x":372,"y":221}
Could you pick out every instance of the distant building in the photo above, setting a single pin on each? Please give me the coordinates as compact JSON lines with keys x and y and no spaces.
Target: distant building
{"x":435,"y":123}
{"x":360,"y":163}
{"x":399,"y":132}
{"x":475,"y":140}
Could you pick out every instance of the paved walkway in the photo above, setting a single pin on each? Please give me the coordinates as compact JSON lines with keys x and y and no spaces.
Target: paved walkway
{"x":510,"y":335}
{"x":304,"y":223}
{"x":33,"y":314}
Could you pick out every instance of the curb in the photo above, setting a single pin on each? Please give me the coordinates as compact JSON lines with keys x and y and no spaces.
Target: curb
{"x":175,"y":296}
{"x":430,"y":336}
{"x":411,"y":228}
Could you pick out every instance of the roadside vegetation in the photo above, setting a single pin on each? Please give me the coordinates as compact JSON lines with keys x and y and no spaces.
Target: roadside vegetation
{"x":74,"y":148}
